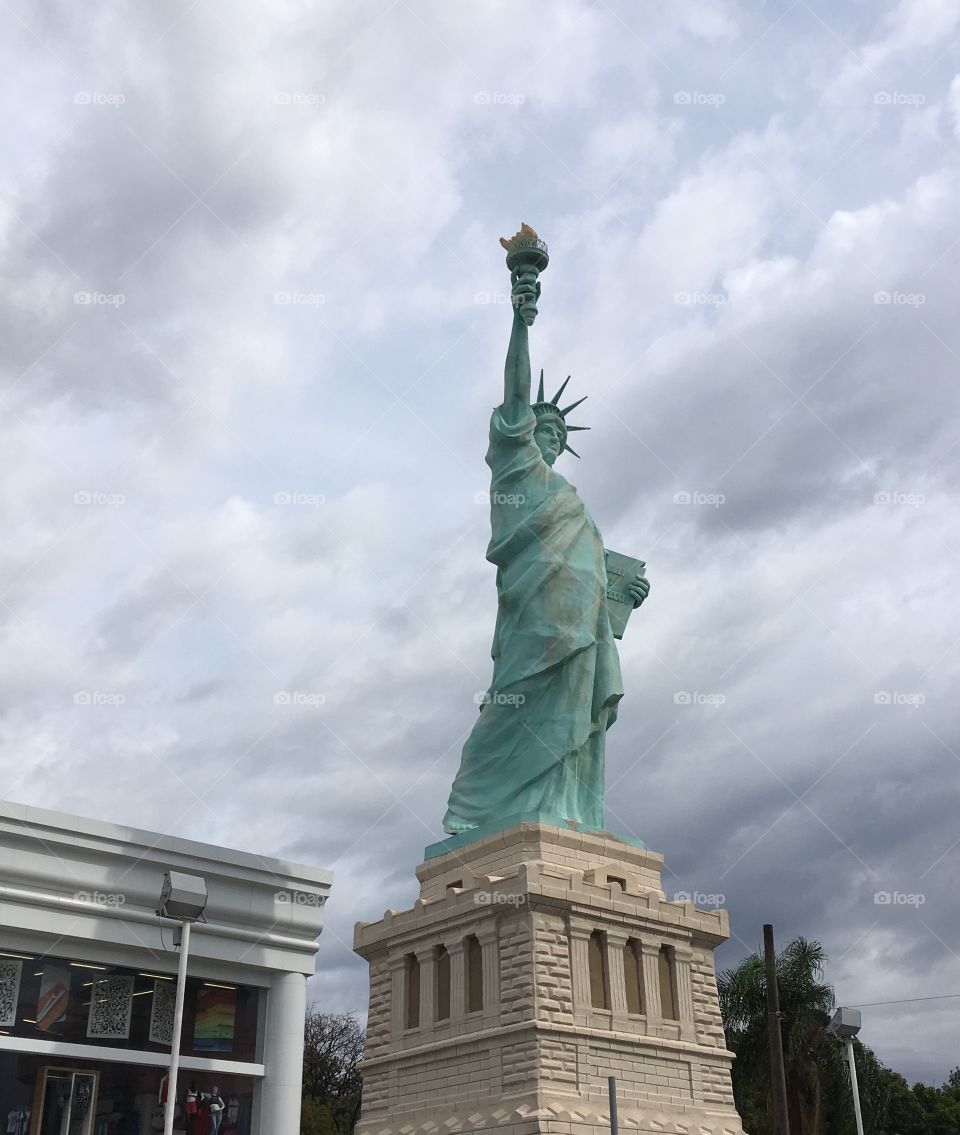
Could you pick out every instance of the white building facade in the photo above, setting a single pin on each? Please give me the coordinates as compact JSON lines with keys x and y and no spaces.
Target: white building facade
{"x":88,"y":976}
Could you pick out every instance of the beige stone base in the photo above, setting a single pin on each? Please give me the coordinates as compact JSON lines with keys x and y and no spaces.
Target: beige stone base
{"x":505,"y":998}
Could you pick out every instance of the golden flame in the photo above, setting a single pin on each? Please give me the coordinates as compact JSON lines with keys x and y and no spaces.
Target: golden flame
{"x":526,"y":235}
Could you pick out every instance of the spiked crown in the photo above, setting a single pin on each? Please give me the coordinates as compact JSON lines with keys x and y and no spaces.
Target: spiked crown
{"x":551,"y":409}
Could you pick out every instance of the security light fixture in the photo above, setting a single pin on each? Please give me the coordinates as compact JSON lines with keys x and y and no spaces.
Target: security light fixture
{"x":183,"y":897}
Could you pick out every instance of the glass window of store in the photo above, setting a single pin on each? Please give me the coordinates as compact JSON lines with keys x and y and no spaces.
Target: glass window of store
{"x":68,"y":1001}
{"x":86,"y":1097}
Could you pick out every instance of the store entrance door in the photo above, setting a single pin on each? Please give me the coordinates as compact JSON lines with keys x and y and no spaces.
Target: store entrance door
{"x":66,"y":1102}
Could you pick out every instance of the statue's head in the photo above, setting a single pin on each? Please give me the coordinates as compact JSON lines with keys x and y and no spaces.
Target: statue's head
{"x":550,"y":432}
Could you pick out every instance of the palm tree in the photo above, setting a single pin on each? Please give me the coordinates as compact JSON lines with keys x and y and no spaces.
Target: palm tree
{"x":805,"y":1004}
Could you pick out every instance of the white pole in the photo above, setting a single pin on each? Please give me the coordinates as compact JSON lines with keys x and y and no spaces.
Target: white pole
{"x":177,"y":1029}
{"x":854,"y":1088}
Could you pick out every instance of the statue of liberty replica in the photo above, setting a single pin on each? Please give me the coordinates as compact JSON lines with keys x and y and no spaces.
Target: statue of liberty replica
{"x":537,"y":749}
{"x":543,"y":983}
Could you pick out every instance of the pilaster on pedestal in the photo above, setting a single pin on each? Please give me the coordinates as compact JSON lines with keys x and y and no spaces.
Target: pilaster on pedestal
{"x":535,"y":964}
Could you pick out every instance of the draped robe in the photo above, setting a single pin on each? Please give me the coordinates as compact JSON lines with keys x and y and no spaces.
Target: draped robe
{"x":538,"y":744}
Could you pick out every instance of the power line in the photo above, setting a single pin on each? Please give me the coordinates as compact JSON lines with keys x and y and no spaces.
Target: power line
{"x":903,"y":1001}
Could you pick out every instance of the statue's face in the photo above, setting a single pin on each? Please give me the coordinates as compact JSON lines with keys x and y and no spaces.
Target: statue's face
{"x":549,"y":436}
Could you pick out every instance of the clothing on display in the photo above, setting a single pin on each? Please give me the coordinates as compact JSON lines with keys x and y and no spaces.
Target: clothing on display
{"x":18,"y":1121}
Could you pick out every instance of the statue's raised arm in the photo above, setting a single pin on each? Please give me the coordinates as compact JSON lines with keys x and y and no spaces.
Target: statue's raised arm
{"x":526,"y":257}
{"x":516,"y":371}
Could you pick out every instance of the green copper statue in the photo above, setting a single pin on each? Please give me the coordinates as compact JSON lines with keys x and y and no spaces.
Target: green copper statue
{"x":537,"y":748}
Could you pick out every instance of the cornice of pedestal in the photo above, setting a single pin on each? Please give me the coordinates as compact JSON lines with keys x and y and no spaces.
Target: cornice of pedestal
{"x":539,"y":842}
{"x":496,"y":1032}
{"x":544,"y":869}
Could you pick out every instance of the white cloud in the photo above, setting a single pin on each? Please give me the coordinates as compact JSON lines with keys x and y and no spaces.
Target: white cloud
{"x":371,"y":200}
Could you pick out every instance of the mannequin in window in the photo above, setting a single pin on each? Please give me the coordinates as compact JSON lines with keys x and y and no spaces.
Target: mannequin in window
{"x":215,"y":1103}
{"x":190,"y":1107}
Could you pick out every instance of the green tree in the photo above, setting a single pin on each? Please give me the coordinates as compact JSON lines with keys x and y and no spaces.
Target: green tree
{"x":805,"y":1003}
{"x":818,"y":1077}
{"x":332,"y":1051}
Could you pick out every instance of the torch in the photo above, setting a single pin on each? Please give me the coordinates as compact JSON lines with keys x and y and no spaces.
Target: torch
{"x":527,"y":257}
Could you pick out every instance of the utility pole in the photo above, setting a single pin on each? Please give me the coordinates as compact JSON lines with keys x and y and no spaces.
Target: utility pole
{"x":612,"y":1091}
{"x":778,"y":1079}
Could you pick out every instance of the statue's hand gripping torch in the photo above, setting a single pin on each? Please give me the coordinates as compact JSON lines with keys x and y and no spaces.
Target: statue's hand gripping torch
{"x":527,"y":257}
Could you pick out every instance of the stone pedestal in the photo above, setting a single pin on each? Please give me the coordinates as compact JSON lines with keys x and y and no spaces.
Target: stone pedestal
{"x":536,"y":963}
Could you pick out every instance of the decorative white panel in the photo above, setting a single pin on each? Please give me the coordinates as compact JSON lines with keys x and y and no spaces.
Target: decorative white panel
{"x":9,"y":990}
{"x":111,"y":1002}
{"x":161,"y":1012}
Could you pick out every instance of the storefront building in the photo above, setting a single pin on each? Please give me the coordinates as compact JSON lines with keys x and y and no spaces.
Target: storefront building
{"x":88,"y":980}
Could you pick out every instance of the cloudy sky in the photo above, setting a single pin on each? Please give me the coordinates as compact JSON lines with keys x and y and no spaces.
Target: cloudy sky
{"x":254,"y":324}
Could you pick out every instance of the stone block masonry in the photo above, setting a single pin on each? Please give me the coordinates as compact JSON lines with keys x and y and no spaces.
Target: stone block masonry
{"x":536,"y":963}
